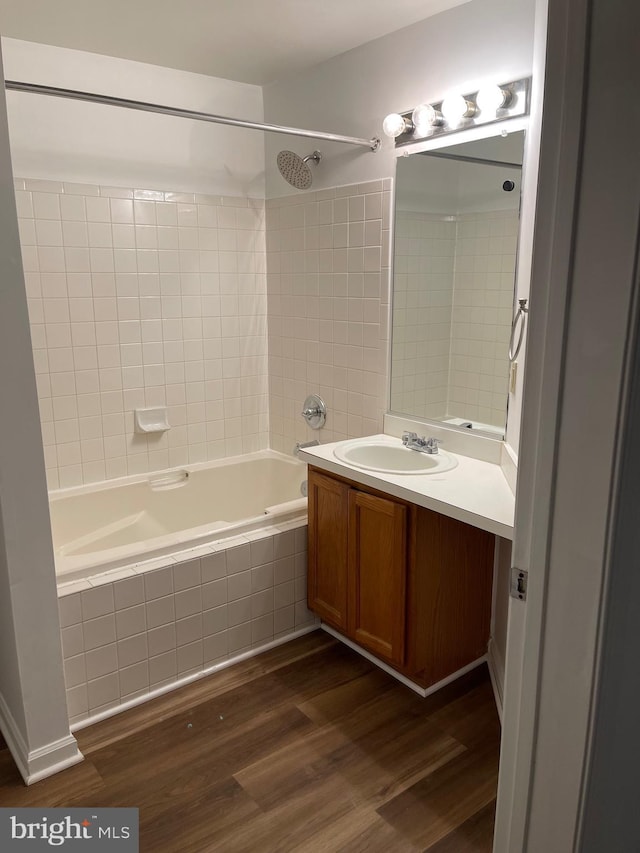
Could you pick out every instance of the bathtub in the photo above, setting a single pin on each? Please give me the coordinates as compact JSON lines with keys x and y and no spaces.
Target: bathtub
{"x":125,"y":522}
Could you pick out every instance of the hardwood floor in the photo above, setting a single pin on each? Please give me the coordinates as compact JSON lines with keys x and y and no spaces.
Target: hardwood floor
{"x":307,"y":747}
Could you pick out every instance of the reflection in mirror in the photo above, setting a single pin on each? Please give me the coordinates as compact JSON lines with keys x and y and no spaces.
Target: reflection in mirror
{"x":456,"y":231}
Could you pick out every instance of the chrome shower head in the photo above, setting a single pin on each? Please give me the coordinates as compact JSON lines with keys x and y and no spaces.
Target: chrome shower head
{"x":294,"y":169}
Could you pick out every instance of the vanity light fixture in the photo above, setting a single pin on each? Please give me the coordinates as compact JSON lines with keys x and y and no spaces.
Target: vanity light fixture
{"x":457,"y":107}
{"x":425,"y":117}
{"x":491,"y":102}
{"x":395,"y":125}
{"x":492,"y":98}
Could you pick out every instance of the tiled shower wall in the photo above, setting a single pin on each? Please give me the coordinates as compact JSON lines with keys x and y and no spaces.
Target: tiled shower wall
{"x":453,"y":297}
{"x":328,"y":302}
{"x":144,"y":298}
{"x":422,"y":307}
{"x":485,"y":268}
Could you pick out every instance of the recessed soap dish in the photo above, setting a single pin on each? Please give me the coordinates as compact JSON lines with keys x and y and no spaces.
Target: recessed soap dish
{"x":151,"y":420}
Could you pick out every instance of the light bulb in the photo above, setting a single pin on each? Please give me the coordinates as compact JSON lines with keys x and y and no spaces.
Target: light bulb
{"x":395,"y":125}
{"x":455,"y":108}
{"x":425,"y":118}
{"x":492,"y":98}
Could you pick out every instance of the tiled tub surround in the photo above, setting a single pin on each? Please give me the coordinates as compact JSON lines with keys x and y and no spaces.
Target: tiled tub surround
{"x":150,"y":627}
{"x":328,"y":304}
{"x":453,"y":298}
{"x":483,"y":284}
{"x":422,"y":307}
{"x":144,"y":298}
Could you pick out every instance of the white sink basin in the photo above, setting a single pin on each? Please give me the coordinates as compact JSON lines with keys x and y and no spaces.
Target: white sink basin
{"x":390,"y":458}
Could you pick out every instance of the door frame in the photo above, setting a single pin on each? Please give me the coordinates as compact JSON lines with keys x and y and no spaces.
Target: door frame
{"x":582,"y":335}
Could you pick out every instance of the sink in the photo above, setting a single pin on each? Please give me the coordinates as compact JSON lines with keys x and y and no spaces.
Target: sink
{"x":389,"y":458}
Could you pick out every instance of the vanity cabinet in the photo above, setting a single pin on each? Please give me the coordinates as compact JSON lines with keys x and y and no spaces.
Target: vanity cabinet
{"x":411,"y":586}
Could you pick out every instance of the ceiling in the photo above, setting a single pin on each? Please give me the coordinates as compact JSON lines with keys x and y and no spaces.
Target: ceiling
{"x":253,"y":41}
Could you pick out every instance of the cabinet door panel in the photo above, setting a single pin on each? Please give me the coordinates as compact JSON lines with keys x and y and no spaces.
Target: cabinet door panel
{"x":327,"y":577}
{"x":450,"y":585}
{"x":377,"y":574}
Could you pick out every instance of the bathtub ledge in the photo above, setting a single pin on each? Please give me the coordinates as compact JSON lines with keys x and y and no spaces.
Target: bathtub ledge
{"x":72,"y":587}
{"x":144,"y":566}
{"x":110,"y":577}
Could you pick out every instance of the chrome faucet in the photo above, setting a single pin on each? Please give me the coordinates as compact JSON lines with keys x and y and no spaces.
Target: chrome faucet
{"x":423,"y":445}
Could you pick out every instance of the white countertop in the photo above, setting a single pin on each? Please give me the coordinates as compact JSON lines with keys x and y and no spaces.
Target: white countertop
{"x":475,"y":492}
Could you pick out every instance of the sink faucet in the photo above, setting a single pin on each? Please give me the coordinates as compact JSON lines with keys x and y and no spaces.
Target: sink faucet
{"x":423,"y":445}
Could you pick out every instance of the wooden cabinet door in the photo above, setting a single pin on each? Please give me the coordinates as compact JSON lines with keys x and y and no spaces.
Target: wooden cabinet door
{"x":377,"y":575}
{"x":449,"y":596}
{"x":328,"y":526}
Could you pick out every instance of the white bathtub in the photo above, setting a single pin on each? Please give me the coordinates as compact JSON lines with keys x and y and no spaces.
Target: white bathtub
{"x":120,"y":523}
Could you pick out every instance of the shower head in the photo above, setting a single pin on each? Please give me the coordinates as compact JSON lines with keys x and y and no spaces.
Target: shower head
{"x":294,"y":169}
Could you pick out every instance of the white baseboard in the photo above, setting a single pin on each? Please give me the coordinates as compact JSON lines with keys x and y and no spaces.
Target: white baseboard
{"x":37,"y":764}
{"x":53,"y":758}
{"x":188,"y":679}
{"x":421,"y":691}
{"x":496,"y":673}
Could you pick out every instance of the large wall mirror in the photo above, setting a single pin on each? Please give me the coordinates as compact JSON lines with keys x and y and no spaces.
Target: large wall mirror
{"x":456,"y":233}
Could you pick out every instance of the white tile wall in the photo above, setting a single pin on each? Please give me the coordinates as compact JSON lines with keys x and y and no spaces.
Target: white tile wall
{"x":126,"y":633}
{"x":144,"y":298}
{"x":485,"y":268}
{"x":328,"y":301}
{"x":422,"y":307}
{"x":453,"y":298}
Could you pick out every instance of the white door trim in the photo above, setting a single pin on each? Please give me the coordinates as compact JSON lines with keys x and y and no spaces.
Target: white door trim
{"x":582,"y":293}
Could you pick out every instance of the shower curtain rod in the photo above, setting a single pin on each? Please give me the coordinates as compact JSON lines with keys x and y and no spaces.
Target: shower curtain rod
{"x":75,"y":95}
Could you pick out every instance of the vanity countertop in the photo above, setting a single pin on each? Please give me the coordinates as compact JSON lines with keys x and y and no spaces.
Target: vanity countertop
{"x":474,"y":492}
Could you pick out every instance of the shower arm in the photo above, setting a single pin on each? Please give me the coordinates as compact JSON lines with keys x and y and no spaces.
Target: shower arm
{"x":75,"y":95}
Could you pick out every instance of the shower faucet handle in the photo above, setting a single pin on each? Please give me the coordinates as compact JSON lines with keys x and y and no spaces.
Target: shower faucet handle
{"x":314,"y":411}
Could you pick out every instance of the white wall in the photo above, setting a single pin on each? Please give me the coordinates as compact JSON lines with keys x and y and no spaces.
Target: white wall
{"x":437,"y":185}
{"x":480,"y":188}
{"x":89,"y":143}
{"x":427,"y":185}
{"x":351,"y":94}
{"x":33,"y":711}
{"x":10,"y":688}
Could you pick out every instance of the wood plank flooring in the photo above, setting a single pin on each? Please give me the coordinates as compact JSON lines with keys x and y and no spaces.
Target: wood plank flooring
{"x":307,"y":747}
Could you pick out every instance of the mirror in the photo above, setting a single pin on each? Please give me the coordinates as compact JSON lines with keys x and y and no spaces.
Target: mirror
{"x":456,"y":233}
